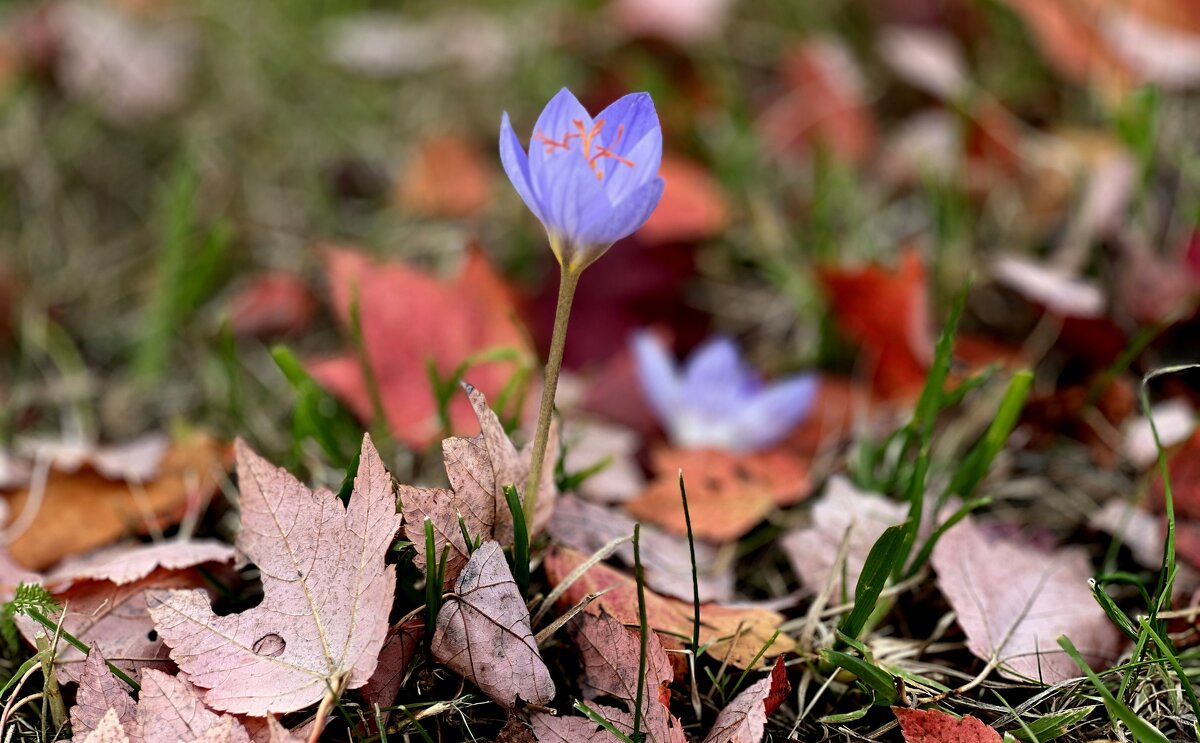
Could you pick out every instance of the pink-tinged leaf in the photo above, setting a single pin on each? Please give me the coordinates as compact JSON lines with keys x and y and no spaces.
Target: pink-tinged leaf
{"x":929,"y":60}
{"x":101,"y":693}
{"x":326,"y":593}
{"x":576,"y":729}
{"x":610,"y":653}
{"x":170,"y":708}
{"x":1056,"y":290}
{"x":109,"y":729}
{"x":270,"y":730}
{"x":478,"y":469}
{"x":135,"y":461}
{"x":116,"y":620}
{"x":667,"y":561}
{"x":935,"y":726}
{"x":383,"y":686}
{"x":125,"y":564}
{"x":1014,"y":601}
{"x":693,"y":206}
{"x":273,"y":304}
{"x":842,"y":513}
{"x":590,"y":443}
{"x":484,"y":634}
{"x":744,"y":720}
{"x":679,"y":22}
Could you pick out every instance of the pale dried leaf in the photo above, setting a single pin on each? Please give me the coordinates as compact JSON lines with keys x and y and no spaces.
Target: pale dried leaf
{"x":744,"y":720}
{"x":929,"y":60}
{"x":589,"y":443}
{"x":383,"y":686}
{"x":109,"y":729}
{"x":170,"y":708}
{"x":1053,"y":288}
{"x":326,"y":593}
{"x":124,"y":564}
{"x":484,"y":634}
{"x":101,"y":695}
{"x":576,"y":729}
{"x":1175,"y":420}
{"x":1013,"y":602}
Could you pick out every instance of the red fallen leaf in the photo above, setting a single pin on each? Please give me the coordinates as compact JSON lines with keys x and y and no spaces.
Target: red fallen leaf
{"x":1183,"y":467}
{"x":484,"y":633}
{"x":608,"y":394}
{"x":478,"y":469}
{"x":610,"y":658}
{"x":1153,"y":289}
{"x":732,"y":633}
{"x":935,"y":726}
{"x":822,"y":104}
{"x":1068,"y":411}
{"x":274,"y":304}
{"x":1014,"y":601}
{"x":744,"y":719}
{"x":409,"y":320}
{"x":126,"y":563}
{"x":326,"y":593}
{"x":398,"y":649}
{"x":693,"y":206}
{"x":445,"y":177}
{"x":728,"y":494}
{"x":887,"y":313}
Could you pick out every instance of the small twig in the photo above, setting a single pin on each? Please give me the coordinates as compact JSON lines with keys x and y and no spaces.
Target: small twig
{"x":557,"y":624}
{"x":576,"y":574}
{"x":991,"y":666}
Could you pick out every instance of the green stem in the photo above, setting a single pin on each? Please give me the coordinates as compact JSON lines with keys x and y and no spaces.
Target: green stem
{"x":568,"y":280}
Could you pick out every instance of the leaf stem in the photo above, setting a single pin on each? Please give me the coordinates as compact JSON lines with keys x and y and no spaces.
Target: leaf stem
{"x":568,"y":281}
{"x":643,"y":631}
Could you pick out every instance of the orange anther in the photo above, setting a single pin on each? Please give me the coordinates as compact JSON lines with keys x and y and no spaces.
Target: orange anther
{"x":586,"y":139}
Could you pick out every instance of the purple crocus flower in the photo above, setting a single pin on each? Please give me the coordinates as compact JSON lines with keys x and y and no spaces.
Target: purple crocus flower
{"x":717,"y":400}
{"x":590,"y":181}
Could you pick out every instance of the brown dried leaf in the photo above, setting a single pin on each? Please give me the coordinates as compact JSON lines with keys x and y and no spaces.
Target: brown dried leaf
{"x":478,"y":469}
{"x":1013,"y":602}
{"x":327,"y":593}
{"x":484,"y":635}
{"x":935,"y":726}
{"x":744,"y":720}
{"x":610,"y":656}
{"x":85,"y":510}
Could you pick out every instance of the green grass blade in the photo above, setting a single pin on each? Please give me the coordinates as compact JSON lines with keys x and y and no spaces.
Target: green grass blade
{"x":879,"y":564}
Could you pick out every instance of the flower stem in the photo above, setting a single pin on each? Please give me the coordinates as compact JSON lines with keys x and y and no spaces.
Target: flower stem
{"x":567,"y":282}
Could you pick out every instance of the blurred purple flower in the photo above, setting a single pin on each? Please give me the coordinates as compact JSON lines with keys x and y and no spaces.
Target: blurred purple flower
{"x":717,"y":400}
{"x":590,"y":181}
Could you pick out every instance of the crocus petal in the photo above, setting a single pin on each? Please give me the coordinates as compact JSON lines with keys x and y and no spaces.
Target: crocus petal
{"x":646,"y":157}
{"x":516,"y":165}
{"x":657,"y":375}
{"x":774,"y":412}
{"x":715,"y":364}
{"x":634,"y":117}
{"x":571,"y":198}
{"x":623,"y":219}
{"x":556,"y":121}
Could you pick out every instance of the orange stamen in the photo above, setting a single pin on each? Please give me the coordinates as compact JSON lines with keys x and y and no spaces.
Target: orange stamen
{"x":585,"y":141}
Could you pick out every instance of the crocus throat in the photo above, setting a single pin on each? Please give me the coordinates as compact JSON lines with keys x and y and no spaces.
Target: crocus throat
{"x":587,"y":143}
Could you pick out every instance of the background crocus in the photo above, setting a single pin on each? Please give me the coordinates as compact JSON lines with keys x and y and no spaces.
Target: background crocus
{"x":717,"y":400}
{"x":591,"y":181}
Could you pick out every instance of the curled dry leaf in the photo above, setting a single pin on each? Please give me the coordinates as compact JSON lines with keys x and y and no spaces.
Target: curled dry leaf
{"x":680,"y":22}
{"x":744,"y":720}
{"x":84,"y":510}
{"x":843,"y":512}
{"x":1175,"y":420}
{"x":728,"y":494}
{"x":411,"y":320}
{"x":478,"y":469}
{"x":935,"y":726}
{"x":126,"y":563}
{"x":666,"y":559}
{"x":326,"y":593}
{"x":610,"y":655}
{"x":483,"y":633}
{"x":729,"y":632}
{"x":133,"y":461}
{"x":1013,"y":602}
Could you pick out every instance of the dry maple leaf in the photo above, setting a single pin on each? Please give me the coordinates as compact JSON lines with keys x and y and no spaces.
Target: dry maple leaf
{"x":84,"y":510}
{"x":744,"y":720}
{"x":935,"y":726}
{"x":409,"y":321}
{"x":610,"y":657}
{"x":394,"y":659}
{"x":1013,"y":602}
{"x":127,"y":563}
{"x":575,"y":729}
{"x":483,"y":633}
{"x":99,"y":693}
{"x":478,"y":469}
{"x":326,"y":593}
{"x":728,"y":494}
{"x":735,"y":634}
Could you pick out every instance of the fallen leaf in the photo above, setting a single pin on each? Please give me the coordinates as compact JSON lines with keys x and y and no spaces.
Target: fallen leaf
{"x":575,"y":729}
{"x":1055,"y":289}
{"x":274,"y":304}
{"x":1175,"y":420}
{"x":386,"y":45}
{"x":133,"y":461}
{"x":446,"y":176}
{"x":127,"y":563}
{"x":609,"y":654}
{"x":744,"y":720}
{"x":483,"y":633}
{"x":681,"y":22}
{"x":85,"y":510}
{"x":590,"y":443}
{"x":935,"y":726}
{"x":1014,"y":601}
{"x":887,"y":313}
{"x":1139,"y":530}
{"x":411,"y":320}
{"x":394,"y":660}
{"x":822,"y":105}
{"x":326,"y":593}
{"x":100,"y":693}
{"x":693,"y":206}
{"x":478,"y":469}
{"x":728,"y":494}
{"x":929,"y":60}
{"x":843,"y":512}
{"x":666,"y":558}
{"x":732,"y":633}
